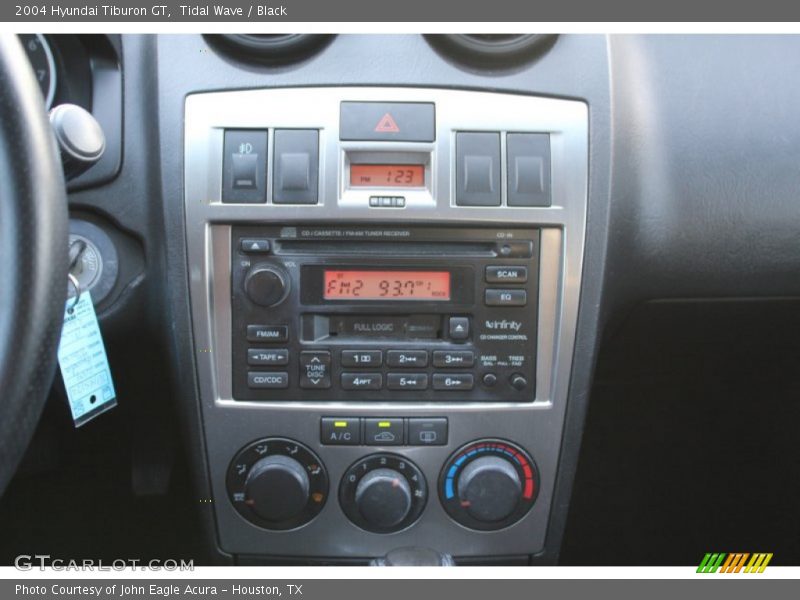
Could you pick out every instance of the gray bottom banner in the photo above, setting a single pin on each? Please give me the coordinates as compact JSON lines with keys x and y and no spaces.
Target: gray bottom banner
{"x":400,"y":589}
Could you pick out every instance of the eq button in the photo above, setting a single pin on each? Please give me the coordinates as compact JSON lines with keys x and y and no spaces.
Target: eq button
{"x":506,"y":297}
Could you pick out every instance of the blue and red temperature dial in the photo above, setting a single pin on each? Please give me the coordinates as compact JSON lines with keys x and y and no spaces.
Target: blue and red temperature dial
{"x":489,"y":484}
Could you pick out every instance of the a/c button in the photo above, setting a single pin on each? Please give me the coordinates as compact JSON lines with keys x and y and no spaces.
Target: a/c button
{"x":339,"y":431}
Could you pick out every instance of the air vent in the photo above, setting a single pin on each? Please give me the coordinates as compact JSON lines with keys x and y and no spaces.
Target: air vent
{"x":492,"y":50}
{"x":269,"y":48}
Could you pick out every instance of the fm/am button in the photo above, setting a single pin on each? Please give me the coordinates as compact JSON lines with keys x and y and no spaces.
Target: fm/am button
{"x":339,"y":431}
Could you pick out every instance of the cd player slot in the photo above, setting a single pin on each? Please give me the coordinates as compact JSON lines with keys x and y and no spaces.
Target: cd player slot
{"x":357,"y":248}
{"x":360,"y":327}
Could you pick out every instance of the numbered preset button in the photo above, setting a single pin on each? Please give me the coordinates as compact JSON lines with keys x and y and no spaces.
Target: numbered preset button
{"x":362,"y":358}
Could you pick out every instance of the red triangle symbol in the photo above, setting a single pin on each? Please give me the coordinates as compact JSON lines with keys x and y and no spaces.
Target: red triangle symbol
{"x":387,"y":125}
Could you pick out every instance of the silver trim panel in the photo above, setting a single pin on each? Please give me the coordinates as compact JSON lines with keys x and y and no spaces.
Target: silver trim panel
{"x":230,"y":424}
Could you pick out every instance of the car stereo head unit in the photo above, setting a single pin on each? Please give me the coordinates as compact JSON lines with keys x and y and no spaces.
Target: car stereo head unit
{"x":384,"y":313}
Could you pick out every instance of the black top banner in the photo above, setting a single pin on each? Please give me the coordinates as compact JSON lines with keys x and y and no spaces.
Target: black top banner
{"x":440,"y":11}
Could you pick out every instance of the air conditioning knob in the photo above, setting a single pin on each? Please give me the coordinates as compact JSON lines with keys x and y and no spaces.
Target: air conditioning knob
{"x":383,"y":493}
{"x":383,"y":498}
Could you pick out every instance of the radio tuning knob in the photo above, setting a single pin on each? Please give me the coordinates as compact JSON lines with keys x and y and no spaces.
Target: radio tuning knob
{"x":266,"y":285}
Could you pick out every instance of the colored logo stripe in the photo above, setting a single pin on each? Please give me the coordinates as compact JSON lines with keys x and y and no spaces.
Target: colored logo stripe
{"x":734,"y":562}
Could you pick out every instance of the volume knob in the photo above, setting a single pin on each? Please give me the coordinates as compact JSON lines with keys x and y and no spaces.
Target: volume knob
{"x":266,"y":285}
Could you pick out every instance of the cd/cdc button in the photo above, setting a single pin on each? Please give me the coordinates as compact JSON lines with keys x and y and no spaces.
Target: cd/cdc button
{"x":264,"y":380}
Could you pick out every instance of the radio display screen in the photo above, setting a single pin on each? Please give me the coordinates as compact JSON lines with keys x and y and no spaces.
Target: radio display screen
{"x":387,"y":175}
{"x":386,"y":285}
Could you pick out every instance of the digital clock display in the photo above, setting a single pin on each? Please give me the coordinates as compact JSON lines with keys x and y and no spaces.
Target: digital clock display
{"x":387,"y":285}
{"x":387,"y":175}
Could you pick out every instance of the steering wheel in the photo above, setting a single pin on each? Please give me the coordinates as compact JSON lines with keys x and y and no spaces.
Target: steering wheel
{"x":33,"y":254}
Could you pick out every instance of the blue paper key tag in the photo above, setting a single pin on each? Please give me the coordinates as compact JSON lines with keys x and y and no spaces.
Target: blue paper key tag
{"x":83,"y":362}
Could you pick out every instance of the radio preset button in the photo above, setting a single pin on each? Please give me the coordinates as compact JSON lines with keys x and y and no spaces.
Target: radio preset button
{"x":267,"y":333}
{"x":407,"y":381}
{"x":453,"y":358}
{"x":339,"y":431}
{"x":459,"y":328}
{"x":407,"y":358}
{"x":269,"y":381}
{"x":362,"y":358}
{"x":498,"y":274}
{"x":362,"y":381}
{"x":383,"y":432}
{"x":458,"y":381}
{"x":315,"y":370}
{"x":506,"y":297}
{"x":272,"y":358}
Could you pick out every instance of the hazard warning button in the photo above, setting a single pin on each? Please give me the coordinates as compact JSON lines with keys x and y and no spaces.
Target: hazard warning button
{"x":387,"y":121}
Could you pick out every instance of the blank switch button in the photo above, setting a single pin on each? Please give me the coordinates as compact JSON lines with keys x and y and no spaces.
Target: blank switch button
{"x":296,"y":166}
{"x":294,"y":171}
{"x":478,"y":169}
{"x":528,"y":169}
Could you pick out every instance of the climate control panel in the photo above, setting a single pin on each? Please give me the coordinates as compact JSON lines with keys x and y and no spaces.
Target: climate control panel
{"x":279,"y":484}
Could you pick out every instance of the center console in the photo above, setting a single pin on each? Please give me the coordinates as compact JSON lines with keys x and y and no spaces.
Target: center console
{"x":384,"y":289}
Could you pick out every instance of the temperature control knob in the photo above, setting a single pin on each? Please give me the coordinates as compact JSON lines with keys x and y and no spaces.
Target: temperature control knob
{"x":383,"y":493}
{"x":266,"y":285}
{"x":277,"y":483}
{"x":488,"y":484}
{"x":489,"y":489}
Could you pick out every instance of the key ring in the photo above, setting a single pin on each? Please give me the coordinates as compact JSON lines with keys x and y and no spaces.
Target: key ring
{"x":76,"y":284}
